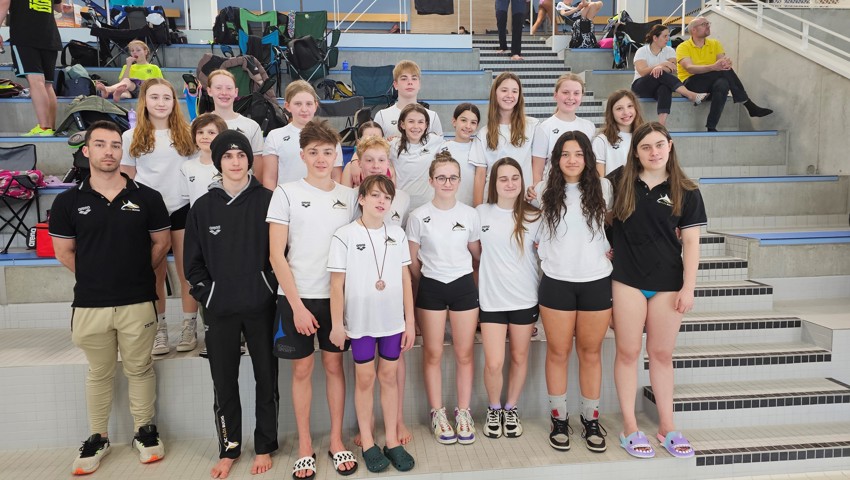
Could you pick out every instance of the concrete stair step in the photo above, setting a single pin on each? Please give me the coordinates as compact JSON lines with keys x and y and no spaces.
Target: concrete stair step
{"x":788,"y":195}
{"x":721,"y":268}
{"x":741,"y":361}
{"x":715,"y":328}
{"x":703,"y":153}
{"x":757,"y":402}
{"x":732,"y":295}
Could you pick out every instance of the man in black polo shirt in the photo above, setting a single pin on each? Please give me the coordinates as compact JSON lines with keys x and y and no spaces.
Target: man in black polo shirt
{"x":35,"y":45}
{"x":112,"y":233}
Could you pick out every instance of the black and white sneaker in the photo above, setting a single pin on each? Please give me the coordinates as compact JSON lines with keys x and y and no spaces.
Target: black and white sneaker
{"x":493,"y":423}
{"x":91,"y":453}
{"x":594,"y":435}
{"x":512,"y":425}
{"x":149,"y":445}
{"x":559,"y":436}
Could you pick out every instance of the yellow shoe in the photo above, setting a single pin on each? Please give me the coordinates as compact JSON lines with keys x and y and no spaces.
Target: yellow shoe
{"x":37,"y":131}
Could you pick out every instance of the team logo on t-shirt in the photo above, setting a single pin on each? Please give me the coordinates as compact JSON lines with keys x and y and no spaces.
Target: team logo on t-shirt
{"x":240,"y":130}
{"x":361,"y":246}
{"x":215,"y":229}
{"x":286,"y":138}
{"x":484,"y":228}
{"x":665,"y":200}
{"x":396,"y":216}
{"x":339,"y":205}
{"x":426,"y":219}
{"x":130,"y":207}
{"x":192,"y":178}
{"x":305,"y":204}
{"x":84,"y":210}
{"x":390,"y":241}
{"x":458,"y":227}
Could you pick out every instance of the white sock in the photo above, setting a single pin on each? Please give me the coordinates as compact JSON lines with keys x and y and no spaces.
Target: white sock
{"x":161,"y":322}
{"x":589,"y":408}
{"x":558,"y":406}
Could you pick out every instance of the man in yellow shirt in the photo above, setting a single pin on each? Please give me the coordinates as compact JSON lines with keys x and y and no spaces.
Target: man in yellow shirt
{"x":704,"y":68}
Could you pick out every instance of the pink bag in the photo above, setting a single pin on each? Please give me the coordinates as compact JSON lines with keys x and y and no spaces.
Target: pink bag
{"x":606,"y":43}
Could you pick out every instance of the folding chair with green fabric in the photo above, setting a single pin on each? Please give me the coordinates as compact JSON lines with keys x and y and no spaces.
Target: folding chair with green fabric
{"x":268,"y":28}
{"x":311,"y":58}
{"x":314,"y":24}
{"x":374,"y":84}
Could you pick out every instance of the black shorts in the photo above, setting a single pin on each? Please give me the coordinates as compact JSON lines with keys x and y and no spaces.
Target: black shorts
{"x":178,"y":218}
{"x":590,"y":296}
{"x":290,"y":344}
{"x":458,"y":295}
{"x":34,"y":61}
{"x":526,"y":316}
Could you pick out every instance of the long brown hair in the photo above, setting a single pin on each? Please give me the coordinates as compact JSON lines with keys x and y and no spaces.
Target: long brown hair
{"x":624,"y":201}
{"x":143,"y":135}
{"x":407,"y":110}
{"x":523,"y":212}
{"x":610,"y":128}
{"x":553,"y":201}
{"x":517,"y":115}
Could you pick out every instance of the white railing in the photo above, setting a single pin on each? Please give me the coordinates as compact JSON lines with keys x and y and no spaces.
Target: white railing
{"x":811,"y":3}
{"x":825,"y":46}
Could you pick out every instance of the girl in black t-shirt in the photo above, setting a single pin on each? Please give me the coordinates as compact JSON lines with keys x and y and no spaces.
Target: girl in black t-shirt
{"x":654,"y":282}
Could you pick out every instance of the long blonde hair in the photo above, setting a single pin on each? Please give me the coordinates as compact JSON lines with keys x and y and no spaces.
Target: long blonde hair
{"x":624,"y":201}
{"x":517,"y":115}
{"x":143,"y":135}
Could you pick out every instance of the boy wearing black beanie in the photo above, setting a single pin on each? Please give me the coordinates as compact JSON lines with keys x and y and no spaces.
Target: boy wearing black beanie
{"x":227,"y":265}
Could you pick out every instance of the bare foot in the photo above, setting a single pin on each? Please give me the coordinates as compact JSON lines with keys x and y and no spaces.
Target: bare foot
{"x":502,"y":51}
{"x":517,"y":57}
{"x":262,"y":463}
{"x":304,"y":472}
{"x":101,"y":89}
{"x":337,"y":447}
{"x":404,"y":435}
{"x":357,"y":440}
{"x":120,"y":89}
{"x":222,"y":468}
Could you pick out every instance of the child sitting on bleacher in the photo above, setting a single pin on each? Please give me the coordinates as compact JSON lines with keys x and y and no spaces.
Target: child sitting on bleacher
{"x":136,"y":71}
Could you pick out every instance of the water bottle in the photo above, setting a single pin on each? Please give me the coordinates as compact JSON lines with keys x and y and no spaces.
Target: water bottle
{"x":345,"y":64}
{"x":131,"y":117}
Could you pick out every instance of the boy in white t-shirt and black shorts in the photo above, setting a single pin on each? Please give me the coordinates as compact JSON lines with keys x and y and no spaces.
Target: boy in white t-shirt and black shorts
{"x":303,"y":216}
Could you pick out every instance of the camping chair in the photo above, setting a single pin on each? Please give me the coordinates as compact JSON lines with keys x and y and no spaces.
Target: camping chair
{"x":351,"y":109}
{"x":311,"y":59}
{"x":374,"y":84}
{"x":20,"y":191}
{"x":131,"y":23}
{"x":260,"y":36}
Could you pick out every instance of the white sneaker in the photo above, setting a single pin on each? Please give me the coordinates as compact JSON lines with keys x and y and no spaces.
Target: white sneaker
{"x":160,"y":342}
{"x":493,"y":424}
{"x":91,"y":453}
{"x":149,"y":445}
{"x":188,"y":337}
{"x":465,"y":426}
{"x":513,"y":427}
{"x":443,"y":431}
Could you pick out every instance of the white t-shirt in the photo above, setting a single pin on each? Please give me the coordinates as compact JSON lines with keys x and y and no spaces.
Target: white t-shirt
{"x":645,"y":54}
{"x":313,"y":215}
{"x":462,"y":152}
{"x":388,"y":120}
{"x":159,"y":169}
{"x":507,"y":277}
{"x":285,"y":143}
{"x":369,"y":311}
{"x":250,"y":129}
{"x":548,"y":132}
{"x":397,"y":214}
{"x":195,"y":179}
{"x":572,"y":254}
{"x":411,"y":167}
{"x":484,"y":157}
{"x":443,"y":237}
{"x":613,"y":156}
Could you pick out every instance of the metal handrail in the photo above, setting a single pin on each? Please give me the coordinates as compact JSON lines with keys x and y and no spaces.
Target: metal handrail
{"x":804,"y":33}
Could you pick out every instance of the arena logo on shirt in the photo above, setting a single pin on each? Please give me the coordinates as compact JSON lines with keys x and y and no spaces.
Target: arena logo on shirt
{"x":426,"y":219}
{"x":338,"y":204}
{"x":286,"y":138}
{"x":394,"y":122}
{"x":130,"y":207}
{"x":555,"y":131}
{"x":84,"y":210}
{"x":305,"y":204}
{"x":458,"y":227}
{"x":484,"y":228}
{"x":192,"y":178}
{"x":215,"y":229}
{"x":665,"y":200}
{"x":361,"y":246}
